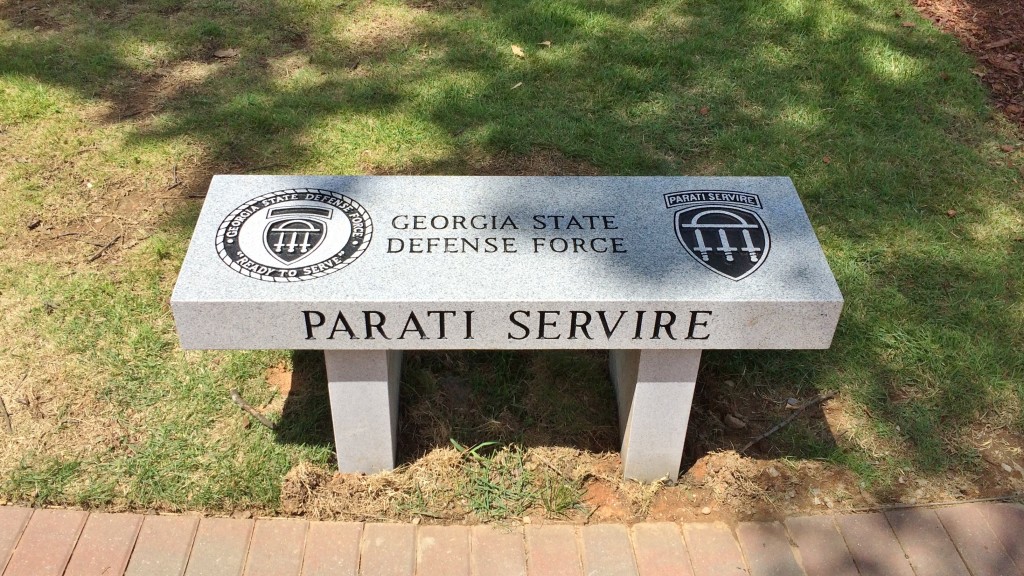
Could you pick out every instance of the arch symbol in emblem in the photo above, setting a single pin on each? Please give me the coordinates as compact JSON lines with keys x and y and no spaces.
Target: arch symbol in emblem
{"x":727,"y":240}
{"x":292,"y":238}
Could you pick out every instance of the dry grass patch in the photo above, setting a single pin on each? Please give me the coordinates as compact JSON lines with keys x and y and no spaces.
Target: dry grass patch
{"x":470,"y":485}
{"x":371,"y":34}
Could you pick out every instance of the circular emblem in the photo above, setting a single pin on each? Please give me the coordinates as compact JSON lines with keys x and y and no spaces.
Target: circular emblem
{"x":294,"y":235}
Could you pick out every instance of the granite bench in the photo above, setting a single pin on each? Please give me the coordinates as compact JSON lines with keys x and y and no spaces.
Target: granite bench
{"x":654,"y":269}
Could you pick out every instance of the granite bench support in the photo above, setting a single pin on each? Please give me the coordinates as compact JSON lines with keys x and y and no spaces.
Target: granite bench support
{"x":363,"y":388}
{"x":654,"y":389}
{"x":652,"y":269}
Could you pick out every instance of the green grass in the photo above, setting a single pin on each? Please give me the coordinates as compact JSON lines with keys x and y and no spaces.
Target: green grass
{"x":882,"y":127}
{"x":501,"y":485}
{"x":174,"y":441}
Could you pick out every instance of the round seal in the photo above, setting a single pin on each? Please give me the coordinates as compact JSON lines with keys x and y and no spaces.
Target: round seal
{"x":294,"y":235}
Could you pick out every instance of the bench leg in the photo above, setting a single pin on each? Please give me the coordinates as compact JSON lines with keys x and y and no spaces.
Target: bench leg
{"x":363,"y":386}
{"x":655,"y":391}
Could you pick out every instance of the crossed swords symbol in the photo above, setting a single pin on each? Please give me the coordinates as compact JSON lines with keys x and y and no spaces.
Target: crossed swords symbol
{"x":724,"y":246}
{"x":293,"y":241}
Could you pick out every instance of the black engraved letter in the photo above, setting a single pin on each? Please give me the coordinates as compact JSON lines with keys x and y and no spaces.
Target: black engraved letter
{"x":370,"y":325}
{"x":512,"y":319}
{"x":639,"y":324}
{"x":440,"y":321}
{"x":309,"y":325}
{"x":694,"y":324}
{"x":658,"y":324}
{"x":341,"y":325}
{"x":604,"y":323}
{"x":414,"y":322}
{"x":543,"y":323}
{"x":574,"y":323}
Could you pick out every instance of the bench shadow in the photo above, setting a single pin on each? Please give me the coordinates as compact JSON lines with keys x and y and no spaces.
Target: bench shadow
{"x":306,"y":415}
{"x":548,"y":398}
{"x":755,"y":415}
{"x":559,"y":398}
{"x":530,"y":398}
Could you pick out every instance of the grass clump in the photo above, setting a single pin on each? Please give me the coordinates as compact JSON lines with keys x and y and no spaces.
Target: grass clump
{"x":502,"y":483}
{"x":498,"y":485}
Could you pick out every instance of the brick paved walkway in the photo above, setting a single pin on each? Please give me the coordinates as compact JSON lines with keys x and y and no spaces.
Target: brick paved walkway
{"x":967,"y":539}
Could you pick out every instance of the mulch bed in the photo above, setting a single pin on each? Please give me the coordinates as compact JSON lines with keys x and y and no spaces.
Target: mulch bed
{"x":993,"y":32}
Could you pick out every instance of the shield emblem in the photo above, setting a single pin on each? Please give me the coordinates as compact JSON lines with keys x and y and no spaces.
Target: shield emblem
{"x":727,"y":240}
{"x":295,"y":233}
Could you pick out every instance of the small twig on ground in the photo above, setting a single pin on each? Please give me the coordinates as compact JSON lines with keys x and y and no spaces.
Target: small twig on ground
{"x":1001,"y":43}
{"x":251,"y":169}
{"x":237,"y":399}
{"x":430,"y":515}
{"x":813,"y":401}
{"x":97,"y":255}
{"x":33,"y":402}
{"x":545,"y":462}
{"x":137,"y":242}
{"x":5,"y":417}
{"x":884,"y":507}
{"x":365,"y":515}
{"x":174,"y":176}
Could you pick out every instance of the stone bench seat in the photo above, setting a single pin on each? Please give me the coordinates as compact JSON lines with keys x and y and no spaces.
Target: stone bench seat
{"x":654,"y":269}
